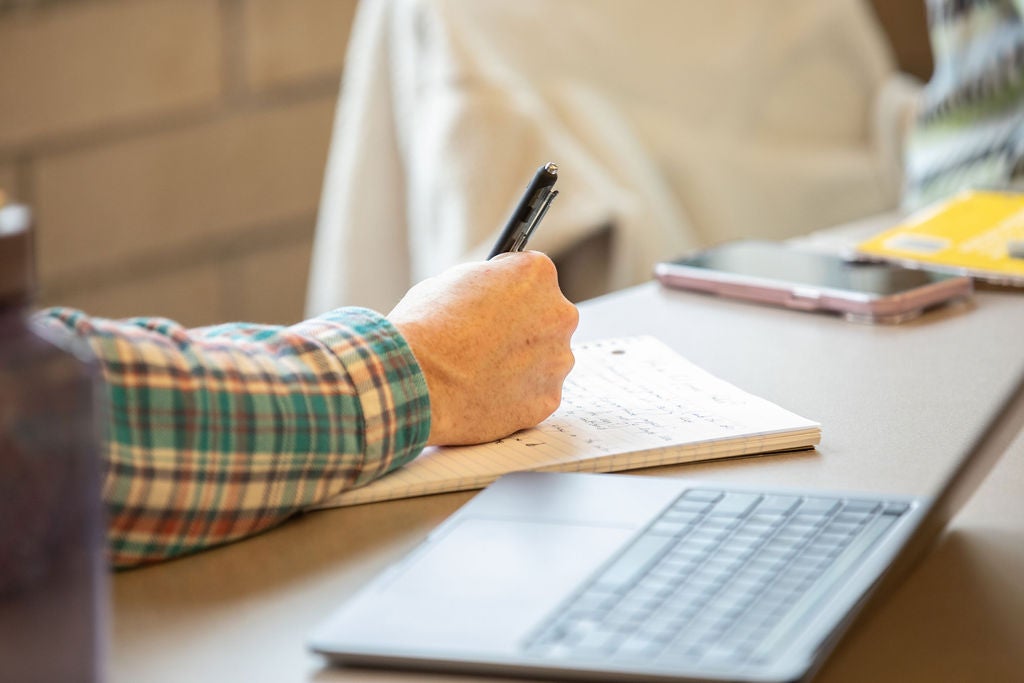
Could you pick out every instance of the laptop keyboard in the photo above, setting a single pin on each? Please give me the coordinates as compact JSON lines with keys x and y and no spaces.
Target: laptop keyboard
{"x":720,"y":577}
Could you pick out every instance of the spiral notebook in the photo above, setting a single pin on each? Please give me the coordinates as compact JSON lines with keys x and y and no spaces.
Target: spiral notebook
{"x":628,"y":403}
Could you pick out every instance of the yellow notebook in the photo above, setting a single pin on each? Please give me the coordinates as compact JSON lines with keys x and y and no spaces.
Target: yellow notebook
{"x":628,"y":403}
{"x":968,"y":234}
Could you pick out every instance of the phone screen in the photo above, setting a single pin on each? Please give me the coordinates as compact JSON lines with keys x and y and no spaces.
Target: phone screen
{"x":777,"y":262}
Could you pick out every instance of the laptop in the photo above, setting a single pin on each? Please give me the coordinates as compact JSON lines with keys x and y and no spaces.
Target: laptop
{"x":621,"y":577}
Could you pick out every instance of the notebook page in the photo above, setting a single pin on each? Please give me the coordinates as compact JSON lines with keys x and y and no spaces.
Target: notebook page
{"x":627,"y":403}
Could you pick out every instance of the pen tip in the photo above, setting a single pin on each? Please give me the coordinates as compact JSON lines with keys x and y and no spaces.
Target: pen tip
{"x":551,"y":168}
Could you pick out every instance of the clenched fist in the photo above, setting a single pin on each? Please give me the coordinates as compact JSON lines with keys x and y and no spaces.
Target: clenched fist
{"x":492,"y":339}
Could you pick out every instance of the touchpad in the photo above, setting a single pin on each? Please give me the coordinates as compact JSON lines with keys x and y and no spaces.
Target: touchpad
{"x":481,"y":584}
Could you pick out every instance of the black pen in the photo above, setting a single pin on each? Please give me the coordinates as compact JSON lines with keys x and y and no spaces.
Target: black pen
{"x":529,"y":211}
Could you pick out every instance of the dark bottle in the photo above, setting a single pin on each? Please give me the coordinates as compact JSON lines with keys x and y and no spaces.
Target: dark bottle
{"x":52,"y":565}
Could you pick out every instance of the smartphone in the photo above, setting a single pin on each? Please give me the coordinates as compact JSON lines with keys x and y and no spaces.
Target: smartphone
{"x":784,"y":275}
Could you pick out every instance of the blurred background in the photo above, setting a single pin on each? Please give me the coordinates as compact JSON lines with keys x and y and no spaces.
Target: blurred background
{"x":173,"y":150}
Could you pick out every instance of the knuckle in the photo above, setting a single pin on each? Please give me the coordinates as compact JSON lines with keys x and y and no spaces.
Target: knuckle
{"x":570,"y":362}
{"x":541,"y":264}
{"x":549,"y":404}
{"x":563,"y":318}
{"x":572,"y":316}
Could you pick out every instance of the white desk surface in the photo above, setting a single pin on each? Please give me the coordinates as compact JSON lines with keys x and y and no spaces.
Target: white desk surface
{"x":897,"y":405}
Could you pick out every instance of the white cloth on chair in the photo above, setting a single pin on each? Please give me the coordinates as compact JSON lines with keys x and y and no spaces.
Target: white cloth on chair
{"x":674,"y":124}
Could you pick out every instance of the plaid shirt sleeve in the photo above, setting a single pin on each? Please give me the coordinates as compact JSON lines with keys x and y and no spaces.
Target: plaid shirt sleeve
{"x":218,"y":433}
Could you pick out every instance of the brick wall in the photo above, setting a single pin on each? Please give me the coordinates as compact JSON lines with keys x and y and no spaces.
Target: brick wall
{"x":173,"y":149}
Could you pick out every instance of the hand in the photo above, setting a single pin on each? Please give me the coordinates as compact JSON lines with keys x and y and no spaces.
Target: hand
{"x":493,"y":340}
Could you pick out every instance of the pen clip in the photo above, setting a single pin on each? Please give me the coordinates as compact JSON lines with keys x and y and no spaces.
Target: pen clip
{"x":534,"y":219}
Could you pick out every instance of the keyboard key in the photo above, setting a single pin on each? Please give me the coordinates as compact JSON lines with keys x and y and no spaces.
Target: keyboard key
{"x":703,"y":534}
{"x":753,"y":536}
{"x":702,"y":495}
{"x":778,"y":504}
{"x":629,"y":565}
{"x":597,"y":643}
{"x":785,"y":546}
{"x":692,"y":507}
{"x":666,"y":528}
{"x":855,"y":518}
{"x":597,"y":598}
{"x":818,"y":551}
{"x":765,"y":518}
{"x":734,"y":504}
{"x":723,"y":522}
{"x":697,"y":549}
{"x":818,"y":506}
{"x":805,"y":520}
{"x":638,"y":646}
{"x":705,"y":582}
{"x":649,"y":594}
{"x":866,"y":506}
{"x":895,"y":508}
{"x":725,"y":653}
{"x":837,"y":537}
{"x":754,"y":583}
{"x":795,"y":533}
{"x":681,"y":517}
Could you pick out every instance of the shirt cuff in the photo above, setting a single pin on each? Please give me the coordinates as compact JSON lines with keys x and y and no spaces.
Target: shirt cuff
{"x":389,"y":384}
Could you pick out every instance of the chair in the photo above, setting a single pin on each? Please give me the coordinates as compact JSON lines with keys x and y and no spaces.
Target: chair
{"x":675,"y":125}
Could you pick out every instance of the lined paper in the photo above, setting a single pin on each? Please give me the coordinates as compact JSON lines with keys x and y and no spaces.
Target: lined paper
{"x":628,"y":403}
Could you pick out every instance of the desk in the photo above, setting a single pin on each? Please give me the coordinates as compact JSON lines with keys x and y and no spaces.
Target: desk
{"x":897,"y":405}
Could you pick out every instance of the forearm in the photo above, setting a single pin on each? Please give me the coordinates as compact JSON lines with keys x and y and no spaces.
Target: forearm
{"x":219,"y":433}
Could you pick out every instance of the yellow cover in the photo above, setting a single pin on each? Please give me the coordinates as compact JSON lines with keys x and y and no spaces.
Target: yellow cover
{"x":967,"y":235}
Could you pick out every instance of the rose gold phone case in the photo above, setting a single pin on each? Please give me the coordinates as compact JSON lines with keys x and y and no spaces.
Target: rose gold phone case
{"x":854,"y":306}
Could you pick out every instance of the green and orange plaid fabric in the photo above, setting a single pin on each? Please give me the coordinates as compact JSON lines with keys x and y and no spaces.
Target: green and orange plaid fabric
{"x":221,"y":432}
